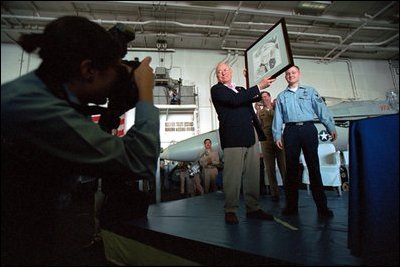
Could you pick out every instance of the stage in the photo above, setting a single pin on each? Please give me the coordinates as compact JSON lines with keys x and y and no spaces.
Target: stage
{"x":192,"y":231}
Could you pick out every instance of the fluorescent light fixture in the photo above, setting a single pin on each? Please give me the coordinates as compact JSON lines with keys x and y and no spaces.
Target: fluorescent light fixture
{"x":319,"y":5}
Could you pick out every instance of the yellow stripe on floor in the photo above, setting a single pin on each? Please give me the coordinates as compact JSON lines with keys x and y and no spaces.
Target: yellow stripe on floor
{"x":285,"y":224}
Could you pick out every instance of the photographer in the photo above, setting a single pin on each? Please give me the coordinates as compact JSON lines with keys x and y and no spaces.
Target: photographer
{"x":48,"y":136}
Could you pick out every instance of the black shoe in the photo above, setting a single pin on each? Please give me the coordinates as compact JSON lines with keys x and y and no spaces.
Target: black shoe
{"x":326,"y":213}
{"x":290,"y":211}
{"x":260,"y":214}
{"x":230,"y":218}
{"x":275,"y":198}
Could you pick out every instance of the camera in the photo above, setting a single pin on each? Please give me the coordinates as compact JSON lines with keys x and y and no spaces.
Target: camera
{"x":124,"y":93}
{"x":123,"y":199}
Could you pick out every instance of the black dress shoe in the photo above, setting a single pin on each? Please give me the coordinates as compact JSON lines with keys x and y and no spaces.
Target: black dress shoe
{"x":325,"y":213}
{"x":290,"y":211}
{"x":260,"y":214}
{"x":230,"y":218}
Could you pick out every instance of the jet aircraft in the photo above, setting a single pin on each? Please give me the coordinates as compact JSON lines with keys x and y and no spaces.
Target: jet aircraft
{"x":343,"y":113}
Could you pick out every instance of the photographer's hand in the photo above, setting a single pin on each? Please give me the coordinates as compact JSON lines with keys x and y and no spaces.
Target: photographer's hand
{"x":144,"y":78}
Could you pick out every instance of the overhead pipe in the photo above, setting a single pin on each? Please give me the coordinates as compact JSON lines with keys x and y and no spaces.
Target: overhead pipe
{"x":234,"y":59}
{"x":328,"y":45}
{"x":3,"y":16}
{"x":361,"y":44}
{"x":350,"y":70}
{"x":100,"y":21}
{"x":359,"y":28}
{"x":220,"y":8}
{"x":296,"y":33}
{"x":356,"y":96}
{"x":150,"y":49}
{"x":394,"y":67}
{"x":244,"y":10}
{"x":318,"y":35}
{"x":249,"y":23}
{"x":39,"y":28}
{"x":321,"y":45}
{"x":233,"y":48}
{"x":233,"y":19}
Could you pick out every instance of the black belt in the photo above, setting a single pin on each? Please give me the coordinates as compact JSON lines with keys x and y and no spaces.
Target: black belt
{"x":299,"y":123}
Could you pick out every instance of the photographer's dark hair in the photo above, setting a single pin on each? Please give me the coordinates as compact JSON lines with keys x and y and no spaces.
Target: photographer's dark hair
{"x":67,"y":41}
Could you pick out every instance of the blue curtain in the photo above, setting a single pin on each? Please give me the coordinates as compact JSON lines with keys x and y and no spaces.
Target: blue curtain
{"x":374,"y":189}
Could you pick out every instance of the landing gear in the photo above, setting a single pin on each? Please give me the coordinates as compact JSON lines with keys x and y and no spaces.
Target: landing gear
{"x":345,"y":178}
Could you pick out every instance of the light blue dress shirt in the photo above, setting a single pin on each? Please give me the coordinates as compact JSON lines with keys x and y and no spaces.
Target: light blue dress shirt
{"x":298,"y":106}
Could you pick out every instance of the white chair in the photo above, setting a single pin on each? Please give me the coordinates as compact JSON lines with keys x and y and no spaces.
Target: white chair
{"x":329,"y":160}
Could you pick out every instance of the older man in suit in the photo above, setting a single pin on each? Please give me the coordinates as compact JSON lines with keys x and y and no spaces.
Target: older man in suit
{"x":238,"y":125}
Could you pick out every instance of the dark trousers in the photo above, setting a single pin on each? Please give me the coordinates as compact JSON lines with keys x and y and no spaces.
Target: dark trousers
{"x":297,"y":138}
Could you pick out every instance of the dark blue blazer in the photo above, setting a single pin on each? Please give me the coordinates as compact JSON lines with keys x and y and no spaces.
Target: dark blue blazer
{"x":237,"y":119}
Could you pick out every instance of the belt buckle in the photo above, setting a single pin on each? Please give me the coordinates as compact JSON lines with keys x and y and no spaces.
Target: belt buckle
{"x":299,"y":123}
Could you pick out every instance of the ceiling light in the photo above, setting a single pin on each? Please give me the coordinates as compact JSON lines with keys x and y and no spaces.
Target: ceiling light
{"x":315,"y":4}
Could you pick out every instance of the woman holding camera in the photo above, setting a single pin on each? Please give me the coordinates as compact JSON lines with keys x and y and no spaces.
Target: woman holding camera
{"x":47,"y":136}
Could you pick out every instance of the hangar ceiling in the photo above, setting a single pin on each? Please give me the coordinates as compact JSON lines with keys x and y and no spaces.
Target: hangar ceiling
{"x":317,"y":29}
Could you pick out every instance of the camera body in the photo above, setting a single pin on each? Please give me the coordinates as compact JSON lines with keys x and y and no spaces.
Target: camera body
{"x":124,"y":94}
{"x":123,"y":200}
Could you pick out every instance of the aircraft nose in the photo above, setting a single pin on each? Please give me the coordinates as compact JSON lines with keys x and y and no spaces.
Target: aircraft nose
{"x":190,"y":149}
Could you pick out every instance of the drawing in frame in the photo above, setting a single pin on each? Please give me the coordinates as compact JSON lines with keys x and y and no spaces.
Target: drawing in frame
{"x":270,"y":55}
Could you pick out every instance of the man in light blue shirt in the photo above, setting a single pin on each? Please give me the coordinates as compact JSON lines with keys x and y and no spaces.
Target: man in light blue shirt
{"x":296,"y":107}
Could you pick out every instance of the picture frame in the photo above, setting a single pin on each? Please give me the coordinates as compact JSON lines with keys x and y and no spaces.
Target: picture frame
{"x":270,"y":55}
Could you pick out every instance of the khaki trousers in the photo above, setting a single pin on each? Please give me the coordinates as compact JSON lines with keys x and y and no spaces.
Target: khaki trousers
{"x":242,"y":163}
{"x":210,"y":179}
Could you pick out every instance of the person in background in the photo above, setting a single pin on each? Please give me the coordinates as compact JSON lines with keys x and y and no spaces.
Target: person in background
{"x":271,"y":152}
{"x":174,"y":97}
{"x":239,"y":130}
{"x":164,"y":182}
{"x":47,"y":137}
{"x":263,"y":183}
{"x":183,"y":167}
{"x":209,"y":160}
{"x":195,"y":180}
{"x":295,"y":107}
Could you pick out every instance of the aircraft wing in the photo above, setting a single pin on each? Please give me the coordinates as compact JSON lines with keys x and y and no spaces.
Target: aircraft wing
{"x":190,"y":149}
{"x":343,"y":112}
{"x":354,"y":110}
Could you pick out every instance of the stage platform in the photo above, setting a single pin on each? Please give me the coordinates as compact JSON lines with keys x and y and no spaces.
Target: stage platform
{"x":192,"y":231}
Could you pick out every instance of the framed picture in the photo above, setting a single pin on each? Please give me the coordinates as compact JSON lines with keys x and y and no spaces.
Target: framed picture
{"x":270,"y":55}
